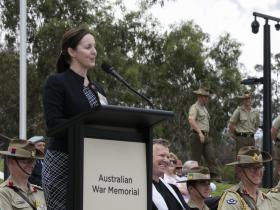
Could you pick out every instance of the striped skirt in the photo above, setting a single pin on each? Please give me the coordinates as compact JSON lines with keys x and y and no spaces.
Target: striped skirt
{"x":55,"y":179}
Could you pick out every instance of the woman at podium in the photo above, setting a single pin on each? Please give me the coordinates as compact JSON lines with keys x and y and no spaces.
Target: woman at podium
{"x":67,"y":93}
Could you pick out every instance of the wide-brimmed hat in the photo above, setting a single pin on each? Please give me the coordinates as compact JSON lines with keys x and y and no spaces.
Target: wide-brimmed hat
{"x":202,"y":92}
{"x":199,"y":173}
{"x":22,"y":149}
{"x":245,"y":94}
{"x":250,"y":155}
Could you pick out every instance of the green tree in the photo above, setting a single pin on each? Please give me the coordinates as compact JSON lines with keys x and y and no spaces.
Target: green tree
{"x":164,"y":66}
{"x":9,"y":90}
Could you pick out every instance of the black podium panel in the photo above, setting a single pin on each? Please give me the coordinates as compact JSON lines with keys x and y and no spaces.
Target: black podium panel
{"x":110,"y":127}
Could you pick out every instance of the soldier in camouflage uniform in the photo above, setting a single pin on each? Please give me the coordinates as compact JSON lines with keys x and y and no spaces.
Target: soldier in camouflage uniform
{"x":246,"y":195}
{"x":198,"y":184}
{"x":244,"y":122}
{"x":200,"y":141}
{"x":16,"y":192}
{"x":274,"y":193}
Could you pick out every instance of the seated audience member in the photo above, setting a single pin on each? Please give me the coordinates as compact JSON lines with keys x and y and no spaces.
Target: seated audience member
{"x":36,"y":177}
{"x":246,"y":194}
{"x":181,"y":184}
{"x":170,"y":175}
{"x":165,"y":196}
{"x":16,"y":192}
{"x":179,"y":167}
{"x":198,"y":184}
{"x":188,"y":165}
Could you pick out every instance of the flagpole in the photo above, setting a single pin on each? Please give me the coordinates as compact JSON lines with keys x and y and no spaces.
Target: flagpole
{"x":23,"y":72}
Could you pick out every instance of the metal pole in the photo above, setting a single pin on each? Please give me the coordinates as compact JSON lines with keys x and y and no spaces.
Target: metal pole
{"x":23,"y":72}
{"x":267,"y":145}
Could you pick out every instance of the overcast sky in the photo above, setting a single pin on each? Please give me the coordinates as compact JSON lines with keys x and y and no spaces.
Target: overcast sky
{"x":216,"y":17}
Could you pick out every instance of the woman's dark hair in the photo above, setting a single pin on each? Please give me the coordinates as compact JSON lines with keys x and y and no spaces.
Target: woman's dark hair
{"x":71,"y":38}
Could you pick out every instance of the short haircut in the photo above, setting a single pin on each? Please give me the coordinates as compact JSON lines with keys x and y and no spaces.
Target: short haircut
{"x":161,"y":141}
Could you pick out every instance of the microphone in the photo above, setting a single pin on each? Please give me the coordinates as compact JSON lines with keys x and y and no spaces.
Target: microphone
{"x":111,"y":70}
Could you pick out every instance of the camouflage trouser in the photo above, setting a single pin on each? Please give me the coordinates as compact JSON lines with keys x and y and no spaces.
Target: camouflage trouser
{"x":206,"y":150}
{"x":242,"y":141}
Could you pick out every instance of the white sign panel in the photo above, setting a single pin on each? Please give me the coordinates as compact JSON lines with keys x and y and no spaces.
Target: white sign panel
{"x":114,"y":175}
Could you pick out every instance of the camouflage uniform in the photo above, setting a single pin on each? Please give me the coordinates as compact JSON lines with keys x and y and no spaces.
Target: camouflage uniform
{"x":246,"y":124}
{"x":12,"y":196}
{"x":274,"y":196}
{"x":233,"y":198}
{"x":237,"y":197}
{"x":197,"y":149}
{"x":10,"y":200}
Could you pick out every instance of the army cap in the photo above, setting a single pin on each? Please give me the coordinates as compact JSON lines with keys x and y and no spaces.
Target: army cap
{"x":245,"y":94}
{"x":22,"y":149}
{"x":202,"y":91}
{"x":251,"y":155}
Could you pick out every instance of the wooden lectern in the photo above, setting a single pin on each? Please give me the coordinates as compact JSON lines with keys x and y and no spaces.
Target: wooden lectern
{"x":110,"y":157}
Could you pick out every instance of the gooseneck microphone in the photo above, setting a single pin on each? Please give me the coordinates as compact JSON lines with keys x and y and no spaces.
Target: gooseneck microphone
{"x":111,"y":70}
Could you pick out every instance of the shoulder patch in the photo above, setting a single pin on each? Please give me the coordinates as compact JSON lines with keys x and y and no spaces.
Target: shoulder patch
{"x":231,"y":201}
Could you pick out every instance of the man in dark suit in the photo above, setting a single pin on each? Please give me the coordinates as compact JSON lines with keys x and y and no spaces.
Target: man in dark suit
{"x":165,"y":196}
{"x":36,"y":177}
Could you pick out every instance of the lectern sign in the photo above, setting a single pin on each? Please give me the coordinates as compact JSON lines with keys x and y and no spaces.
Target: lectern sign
{"x":114,"y":175}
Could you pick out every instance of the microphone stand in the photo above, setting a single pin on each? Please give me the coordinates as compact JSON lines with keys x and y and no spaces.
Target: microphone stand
{"x":134,"y":91}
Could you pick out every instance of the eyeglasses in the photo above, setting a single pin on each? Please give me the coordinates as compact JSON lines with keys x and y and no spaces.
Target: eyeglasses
{"x":173,"y":162}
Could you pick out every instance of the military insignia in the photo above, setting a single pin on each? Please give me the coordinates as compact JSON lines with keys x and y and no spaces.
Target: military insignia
{"x":256,"y":157}
{"x":13,"y":150}
{"x":37,"y":203}
{"x":33,"y":153}
{"x":10,"y":183}
{"x":274,"y":190}
{"x":34,"y":189}
{"x":231,"y":201}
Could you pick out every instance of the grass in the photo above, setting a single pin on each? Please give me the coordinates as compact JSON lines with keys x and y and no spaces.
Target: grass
{"x":223,"y":186}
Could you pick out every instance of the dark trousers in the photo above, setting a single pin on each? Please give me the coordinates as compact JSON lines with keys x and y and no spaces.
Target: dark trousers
{"x":206,"y":150}
{"x":242,"y":141}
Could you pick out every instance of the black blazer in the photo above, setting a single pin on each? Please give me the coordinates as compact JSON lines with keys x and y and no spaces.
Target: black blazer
{"x":63,"y":98}
{"x":175,"y":188}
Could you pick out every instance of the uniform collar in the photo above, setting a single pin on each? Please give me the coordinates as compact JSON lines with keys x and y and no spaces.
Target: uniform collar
{"x":10,"y":182}
{"x":260,"y":195}
{"x":198,"y":104}
{"x":192,"y":204}
{"x":245,"y":110}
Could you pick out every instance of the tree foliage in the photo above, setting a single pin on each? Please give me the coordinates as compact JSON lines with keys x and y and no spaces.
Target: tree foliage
{"x":165,"y":66}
